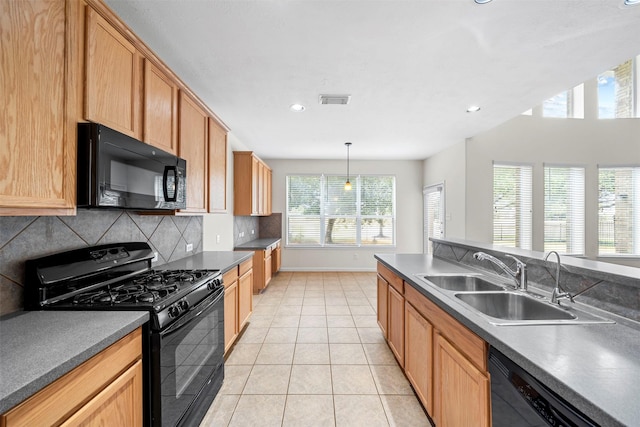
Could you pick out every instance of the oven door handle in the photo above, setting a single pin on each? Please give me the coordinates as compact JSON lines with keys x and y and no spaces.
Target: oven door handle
{"x":189,"y":316}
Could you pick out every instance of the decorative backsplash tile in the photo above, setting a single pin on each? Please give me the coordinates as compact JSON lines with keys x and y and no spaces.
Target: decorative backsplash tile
{"x":23,"y":238}
{"x":271,"y":226}
{"x":243,"y":227}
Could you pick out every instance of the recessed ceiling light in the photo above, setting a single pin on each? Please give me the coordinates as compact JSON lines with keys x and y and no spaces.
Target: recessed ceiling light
{"x":631,"y":2}
{"x":297,"y":107}
{"x":473,"y":109}
{"x":482,"y":1}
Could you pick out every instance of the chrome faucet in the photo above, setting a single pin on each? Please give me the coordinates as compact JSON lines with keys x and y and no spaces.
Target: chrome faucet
{"x":519,"y":276}
{"x":558,"y":293}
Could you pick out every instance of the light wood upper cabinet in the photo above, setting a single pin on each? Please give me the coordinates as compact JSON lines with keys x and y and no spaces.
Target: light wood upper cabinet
{"x":194,"y":149}
{"x":112,"y":77}
{"x":39,"y":87}
{"x":217,"y":167}
{"x":251,"y":185}
{"x":160,"y":114}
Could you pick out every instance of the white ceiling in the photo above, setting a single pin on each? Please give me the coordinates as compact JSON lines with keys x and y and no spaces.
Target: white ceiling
{"x":411,"y":66}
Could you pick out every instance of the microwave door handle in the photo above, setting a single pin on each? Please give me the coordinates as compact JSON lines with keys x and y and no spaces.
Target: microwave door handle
{"x":165,"y":189}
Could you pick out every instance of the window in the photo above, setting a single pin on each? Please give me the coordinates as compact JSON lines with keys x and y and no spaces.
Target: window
{"x":320,"y":212}
{"x":564,"y":209}
{"x":433,"y":215}
{"x":512,"y":198}
{"x":619,"y":211}
{"x":616,"y":91}
{"x":567,"y":104}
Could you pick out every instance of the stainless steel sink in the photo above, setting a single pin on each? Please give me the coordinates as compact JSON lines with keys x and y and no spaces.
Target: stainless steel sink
{"x":462,"y":283}
{"x":514,"y":308}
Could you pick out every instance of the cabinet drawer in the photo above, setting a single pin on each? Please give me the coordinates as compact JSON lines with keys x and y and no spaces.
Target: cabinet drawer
{"x":267,"y":252}
{"x":230,"y":276}
{"x":390,"y":277}
{"x":466,"y":341}
{"x":246,"y":266}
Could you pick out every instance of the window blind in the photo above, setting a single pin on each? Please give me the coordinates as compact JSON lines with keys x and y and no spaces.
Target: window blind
{"x":564,"y":210}
{"x":320,"y":212}
{"x":512,"y":201}
{"x":619,"y":211}
{"x":433,"y":215}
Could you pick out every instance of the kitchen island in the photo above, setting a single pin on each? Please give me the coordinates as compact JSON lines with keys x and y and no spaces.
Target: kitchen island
{"x":595,"y":367}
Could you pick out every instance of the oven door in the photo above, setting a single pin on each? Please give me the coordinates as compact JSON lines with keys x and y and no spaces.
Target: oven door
{"x":191,"y":364}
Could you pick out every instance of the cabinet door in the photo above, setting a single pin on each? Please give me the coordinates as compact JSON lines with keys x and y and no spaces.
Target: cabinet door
{"x":160,"y":109}
{"x":418,"y":354}
{"x":230,"y":314}
{"x":255,"y":186}
{"x":112,"y":77}
{"x":395,"y":331}
{"x":119,"y":404}
{"x":37,"y":153}
{"x":193,"y":148}
{"x":461,"y":391}
{"x":245,"y":298}
{"x":217,"y":167}
{"x":267,"y":269}
{"x":383,"y":316}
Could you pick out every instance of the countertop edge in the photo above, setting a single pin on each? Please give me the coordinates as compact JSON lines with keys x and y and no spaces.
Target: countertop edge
{"x":258,"y":244}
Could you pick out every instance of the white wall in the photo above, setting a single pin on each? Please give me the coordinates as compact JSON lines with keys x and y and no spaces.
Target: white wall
{"x":408,"y":212}
{"x":536,"y":140}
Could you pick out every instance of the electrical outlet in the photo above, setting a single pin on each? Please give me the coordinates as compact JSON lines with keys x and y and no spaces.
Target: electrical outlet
{"x":155,"y":257}
{"x":253,"y":231}
{"x":217,"y":238}
{"x":189,"y":247}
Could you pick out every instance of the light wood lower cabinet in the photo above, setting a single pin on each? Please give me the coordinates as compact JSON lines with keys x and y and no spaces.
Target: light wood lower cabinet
{"x":245,"y":293}
{"x":104,"y":390}
{"x":445,"y":362}
{"x":276,"y":258}
{"x":418,"y":355}
{"x":383,"y":298}
{"x":231,"y":330}
{"x":238,"y":301}
{"x":261,"y":269}
{"x":395,"y":332}
{"x":461,"y":390}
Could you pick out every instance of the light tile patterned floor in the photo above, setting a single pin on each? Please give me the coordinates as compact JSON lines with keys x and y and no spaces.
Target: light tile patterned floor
{"x":313,"y":355}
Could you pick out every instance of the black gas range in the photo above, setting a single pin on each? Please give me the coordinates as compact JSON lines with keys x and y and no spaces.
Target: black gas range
{"x":184,"y":344}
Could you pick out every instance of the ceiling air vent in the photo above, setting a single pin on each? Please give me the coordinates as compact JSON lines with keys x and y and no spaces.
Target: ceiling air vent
{"x":335,"y":99}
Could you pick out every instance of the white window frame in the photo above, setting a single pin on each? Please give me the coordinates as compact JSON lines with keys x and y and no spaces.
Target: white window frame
{"x":635,"y":215}
{"x":356,"y":181}
{"x":426,"y":191}
{"x":576,"y":213}
{"x":524,"y":213}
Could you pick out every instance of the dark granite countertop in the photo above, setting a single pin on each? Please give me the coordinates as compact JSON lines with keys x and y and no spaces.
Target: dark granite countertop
{"x":595,"y":367}
{"x":214,"y":260}
{"x":38,"y":347}
{"x":258,"y":244}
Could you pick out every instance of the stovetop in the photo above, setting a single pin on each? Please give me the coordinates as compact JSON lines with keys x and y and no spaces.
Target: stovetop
{"x":148,"y":289}
{"x":116,"y":277}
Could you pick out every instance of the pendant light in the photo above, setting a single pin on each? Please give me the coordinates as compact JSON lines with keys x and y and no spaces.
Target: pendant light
{"x":347,"y":185}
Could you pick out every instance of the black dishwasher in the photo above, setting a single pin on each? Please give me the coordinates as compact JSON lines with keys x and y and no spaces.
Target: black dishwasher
{"x":518,"y":399}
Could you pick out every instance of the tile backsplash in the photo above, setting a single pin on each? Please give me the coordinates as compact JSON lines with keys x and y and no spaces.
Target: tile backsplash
{"x":23,"y":238}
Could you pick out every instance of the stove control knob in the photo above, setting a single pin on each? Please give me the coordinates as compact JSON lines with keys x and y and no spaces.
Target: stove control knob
{"x":184,"y":305}
{"x":174,"y":311}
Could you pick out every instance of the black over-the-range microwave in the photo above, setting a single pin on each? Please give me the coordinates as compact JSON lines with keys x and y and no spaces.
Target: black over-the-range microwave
{"x":117,"y":171}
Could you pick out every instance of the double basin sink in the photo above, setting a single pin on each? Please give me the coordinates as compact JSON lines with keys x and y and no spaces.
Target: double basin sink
{"x":505,"y":307}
